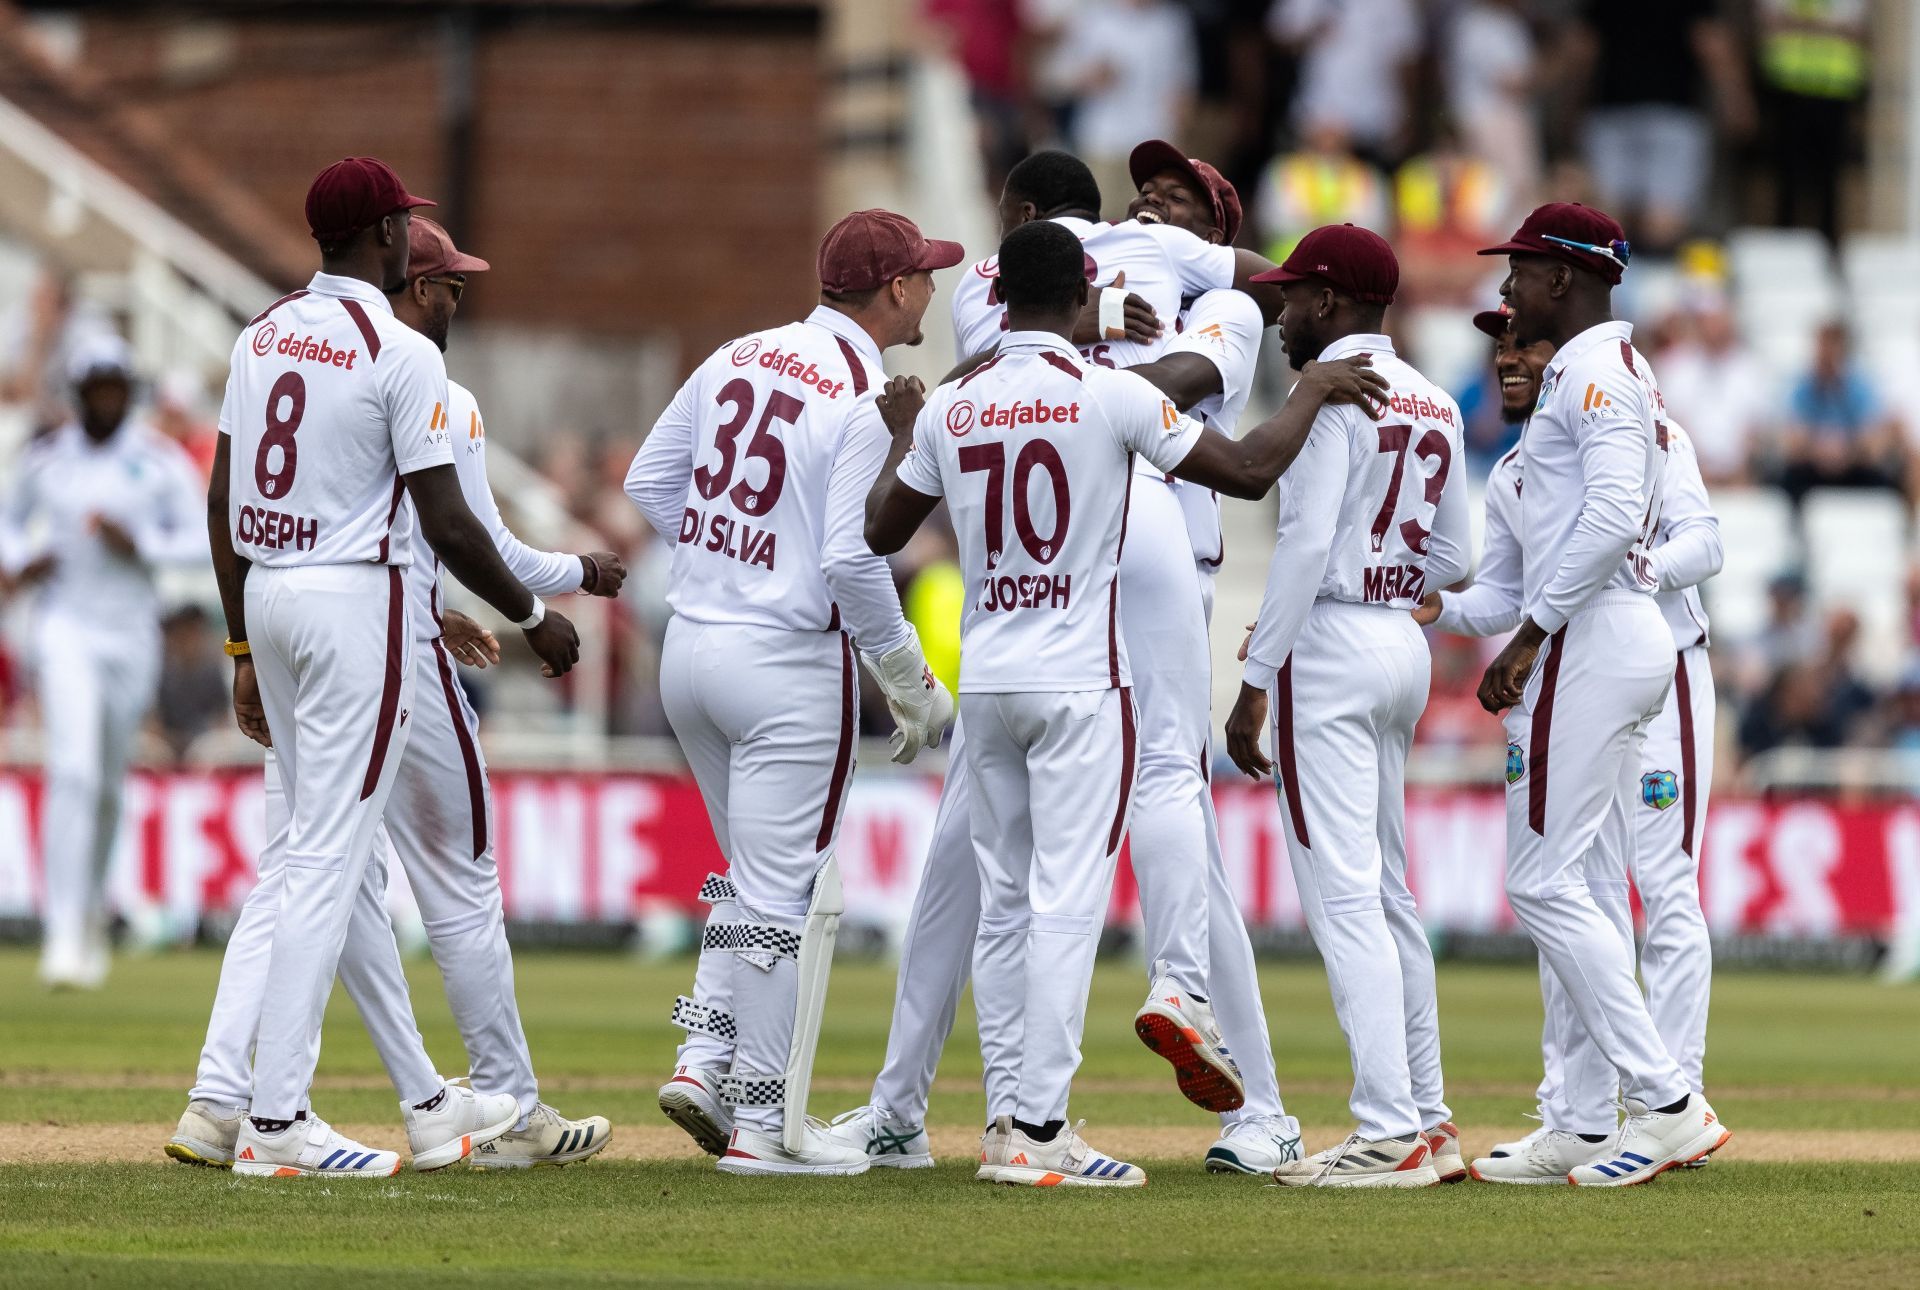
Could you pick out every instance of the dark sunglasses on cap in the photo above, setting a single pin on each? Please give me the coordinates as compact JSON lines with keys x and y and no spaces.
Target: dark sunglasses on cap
{"x":456,"y":284}
{"x":1617,"y":251}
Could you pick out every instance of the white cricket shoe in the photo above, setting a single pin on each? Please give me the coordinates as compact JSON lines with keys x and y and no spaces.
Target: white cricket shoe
{"x":996,"y":1147}
{"x":206,"y":1135}
{"x":550,"y":1139}
{"x":691,"y":1099}
{"x":1258,"y":1144}
{"x":1390,"y":1162}
{"x":890,"y":1143}
{"x":1651,"y":1143}
{"x":1443,"y":1141}
{"x":1181,"y":1029}
{"x":1541,"y":1159}
{"x":73,"y":966}
{"x":308,"y":1148}
{"x":1067,"y":1161}
{"x":753,"y":1152}
{"x":463,"y":1119}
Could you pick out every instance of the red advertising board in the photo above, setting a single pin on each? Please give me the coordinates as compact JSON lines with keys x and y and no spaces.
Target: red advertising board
{"x":616,"y":847}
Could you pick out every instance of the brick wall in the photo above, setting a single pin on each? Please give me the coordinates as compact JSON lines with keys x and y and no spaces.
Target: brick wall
{"x":633,"y":176}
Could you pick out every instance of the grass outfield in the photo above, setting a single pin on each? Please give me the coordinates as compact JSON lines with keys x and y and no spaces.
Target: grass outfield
{"x":1815,"y":1074}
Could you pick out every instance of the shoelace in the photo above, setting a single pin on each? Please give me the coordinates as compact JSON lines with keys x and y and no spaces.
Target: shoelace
{"x":1335,"y":1156}
{"x":1077,"y":1148}
{"x":870,"y":1111}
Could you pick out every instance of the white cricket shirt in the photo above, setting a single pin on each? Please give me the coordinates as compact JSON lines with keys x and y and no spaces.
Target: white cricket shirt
{"x":1224,"y":327}
{"x":1686,"y":552}
{"x":329,"y":401}
{"x":1371,"y":512}
{"x":1164,"y":265}
{"x":1594,"y":459}
{"x":64,"y":482}
{"x":544,"y":573}
{"x":1033,"y":454}
{"x":758,"y":473}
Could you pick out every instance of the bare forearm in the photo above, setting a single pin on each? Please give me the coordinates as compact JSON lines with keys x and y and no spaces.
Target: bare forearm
{"x":470,"y":555}
{"x":229,"y":570}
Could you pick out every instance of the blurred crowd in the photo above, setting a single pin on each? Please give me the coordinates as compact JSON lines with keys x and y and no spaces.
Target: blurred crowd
{"x":1439,"y":121}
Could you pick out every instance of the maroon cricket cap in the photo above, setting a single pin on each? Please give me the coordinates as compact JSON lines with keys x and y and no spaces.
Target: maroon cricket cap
{"x":1156,"y":155}
{"x":354,"y":194}
{"x":431,"y":252}
{"x":1493,"y":321}
{"x":871,"y":248}
{"x":1570,"y":222}
{"x":1355,"y":260}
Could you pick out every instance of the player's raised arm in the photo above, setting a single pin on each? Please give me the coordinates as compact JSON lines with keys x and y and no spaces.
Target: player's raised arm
{"x":903,"y":495}
{"x":1247,"y":467}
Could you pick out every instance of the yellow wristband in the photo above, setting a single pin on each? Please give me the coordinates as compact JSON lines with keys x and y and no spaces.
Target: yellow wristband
{"x":236,"y":648}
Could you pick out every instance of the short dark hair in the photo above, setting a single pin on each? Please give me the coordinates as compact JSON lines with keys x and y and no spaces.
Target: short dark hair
{"x":1041,"y":268}
{"x":1055,"y":182}
{"x":851,"y":299}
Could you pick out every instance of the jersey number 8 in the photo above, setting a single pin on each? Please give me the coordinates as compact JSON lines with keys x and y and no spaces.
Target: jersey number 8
{"x":280,"y":432}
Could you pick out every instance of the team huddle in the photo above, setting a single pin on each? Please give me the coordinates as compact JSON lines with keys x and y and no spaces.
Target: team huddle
{"x":1079,"y":447}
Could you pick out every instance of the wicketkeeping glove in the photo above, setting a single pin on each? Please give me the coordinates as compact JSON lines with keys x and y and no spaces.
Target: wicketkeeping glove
{"x":921,"y":707}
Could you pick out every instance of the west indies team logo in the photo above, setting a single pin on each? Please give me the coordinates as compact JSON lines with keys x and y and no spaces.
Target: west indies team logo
{"x":1659,"y":789}
{"x":1516,"y":763}
{"x":264,"y":338}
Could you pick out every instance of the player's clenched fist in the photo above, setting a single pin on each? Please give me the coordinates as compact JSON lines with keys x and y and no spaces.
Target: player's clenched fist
{"x":900,"y":404}
{"x":603,"y":574}
{"x":1244,"y":724}
{"x":1506,"y":677}
{"x":556,"y":642}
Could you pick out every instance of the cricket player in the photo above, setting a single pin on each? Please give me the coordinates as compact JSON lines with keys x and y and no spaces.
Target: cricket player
{"x":1187,"y":900}
{"x":1577,"y":1095}
{"x":92,"y":511}
{"x":451,"y":870}
{"x":1589,"y":669}
{"x":1369,"y":513}
{"x":310,"y":550}
{"x":1033,"y":454}
{"x":757,"y":472}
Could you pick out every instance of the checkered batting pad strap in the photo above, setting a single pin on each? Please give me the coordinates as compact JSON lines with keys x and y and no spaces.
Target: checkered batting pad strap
{"x":739,"y":938}
{"x":717,"y":888}
{"x":753,"y":1090}
{"x":689,"y":1015}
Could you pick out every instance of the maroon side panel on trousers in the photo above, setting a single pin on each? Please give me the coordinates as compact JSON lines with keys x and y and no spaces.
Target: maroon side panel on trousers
{"x":843,"y":759}
{"x":1283,"y":749}
{"x":390,"y":689}
{"x":469,"y":755}
{"x":1543,"y":733}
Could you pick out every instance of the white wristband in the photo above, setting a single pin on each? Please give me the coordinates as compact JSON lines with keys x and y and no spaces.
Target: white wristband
{"x":1113,"y":313}
{"x":535,"y":618}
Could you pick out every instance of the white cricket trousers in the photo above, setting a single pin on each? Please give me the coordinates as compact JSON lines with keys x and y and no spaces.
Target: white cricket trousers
{"x":1667,"y":813}
{"x":334,"y":659}
{"x":1344,"y":707}
{"x":1575,"y":746}
{"x":766,"y":718}
{"x":96,"y":683}
{"x":1189,"y":912}
{"x":1051,"y":779}
{"x":369,"y":969}
{"x":439,"y":823}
